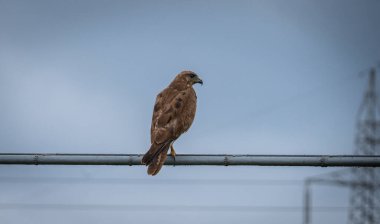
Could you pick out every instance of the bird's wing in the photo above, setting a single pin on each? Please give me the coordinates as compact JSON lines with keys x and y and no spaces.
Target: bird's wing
{"x":168,"y":115}
{"x":167,"y":126}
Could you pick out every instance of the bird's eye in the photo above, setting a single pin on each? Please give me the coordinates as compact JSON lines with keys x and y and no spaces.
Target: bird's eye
{"x":192,"y":75}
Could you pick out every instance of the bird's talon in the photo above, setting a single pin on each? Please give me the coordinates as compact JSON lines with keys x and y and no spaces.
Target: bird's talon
{"x":172,"y":153}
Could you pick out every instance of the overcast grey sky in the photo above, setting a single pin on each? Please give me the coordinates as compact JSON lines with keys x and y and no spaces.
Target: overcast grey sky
{"x":280,"y":77}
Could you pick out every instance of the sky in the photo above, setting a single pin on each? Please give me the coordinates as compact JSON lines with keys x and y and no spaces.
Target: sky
{"x":280,"y":77}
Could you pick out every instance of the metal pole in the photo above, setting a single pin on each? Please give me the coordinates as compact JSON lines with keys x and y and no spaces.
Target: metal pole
{"x":192,"y":160}
{"x":307,"y":202}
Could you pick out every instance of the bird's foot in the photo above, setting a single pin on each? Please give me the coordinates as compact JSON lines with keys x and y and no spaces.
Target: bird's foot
{"x":172,"y":153}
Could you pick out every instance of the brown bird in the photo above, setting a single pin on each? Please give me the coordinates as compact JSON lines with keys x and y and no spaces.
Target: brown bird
{"x":173,"y":115}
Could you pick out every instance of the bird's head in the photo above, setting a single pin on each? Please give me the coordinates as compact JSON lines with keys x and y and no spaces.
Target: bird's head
{"x":189,"y":77}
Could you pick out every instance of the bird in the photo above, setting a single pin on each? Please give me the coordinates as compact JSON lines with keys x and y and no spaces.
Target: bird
{"x":173,"y":114}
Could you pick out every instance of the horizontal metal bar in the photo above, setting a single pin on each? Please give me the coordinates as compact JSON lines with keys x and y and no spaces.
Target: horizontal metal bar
{"x":192,"y":160}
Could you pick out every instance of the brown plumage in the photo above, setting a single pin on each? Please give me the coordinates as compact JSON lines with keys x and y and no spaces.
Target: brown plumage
{"x":173,"y":115}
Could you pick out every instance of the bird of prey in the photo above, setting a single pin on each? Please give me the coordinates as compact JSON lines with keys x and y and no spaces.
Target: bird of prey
{"x":173,"y":115}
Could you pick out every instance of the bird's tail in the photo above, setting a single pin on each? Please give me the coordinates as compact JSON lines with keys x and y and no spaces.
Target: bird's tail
{"x":156,"y":157}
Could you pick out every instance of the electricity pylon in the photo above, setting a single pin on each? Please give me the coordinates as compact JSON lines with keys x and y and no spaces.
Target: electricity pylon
{"x":365,"y":198}
{"x":364,"y":182}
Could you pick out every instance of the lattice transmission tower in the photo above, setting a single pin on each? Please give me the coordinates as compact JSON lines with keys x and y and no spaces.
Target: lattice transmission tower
{"x":365,"y":198}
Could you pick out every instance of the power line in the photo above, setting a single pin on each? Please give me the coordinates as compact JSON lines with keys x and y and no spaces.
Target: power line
{"x":192,"y":160}
{"x":166,"y":208}
{"x":141,"y":181}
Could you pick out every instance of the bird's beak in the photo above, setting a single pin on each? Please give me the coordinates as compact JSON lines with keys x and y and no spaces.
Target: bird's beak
{"x":198,"y":80}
